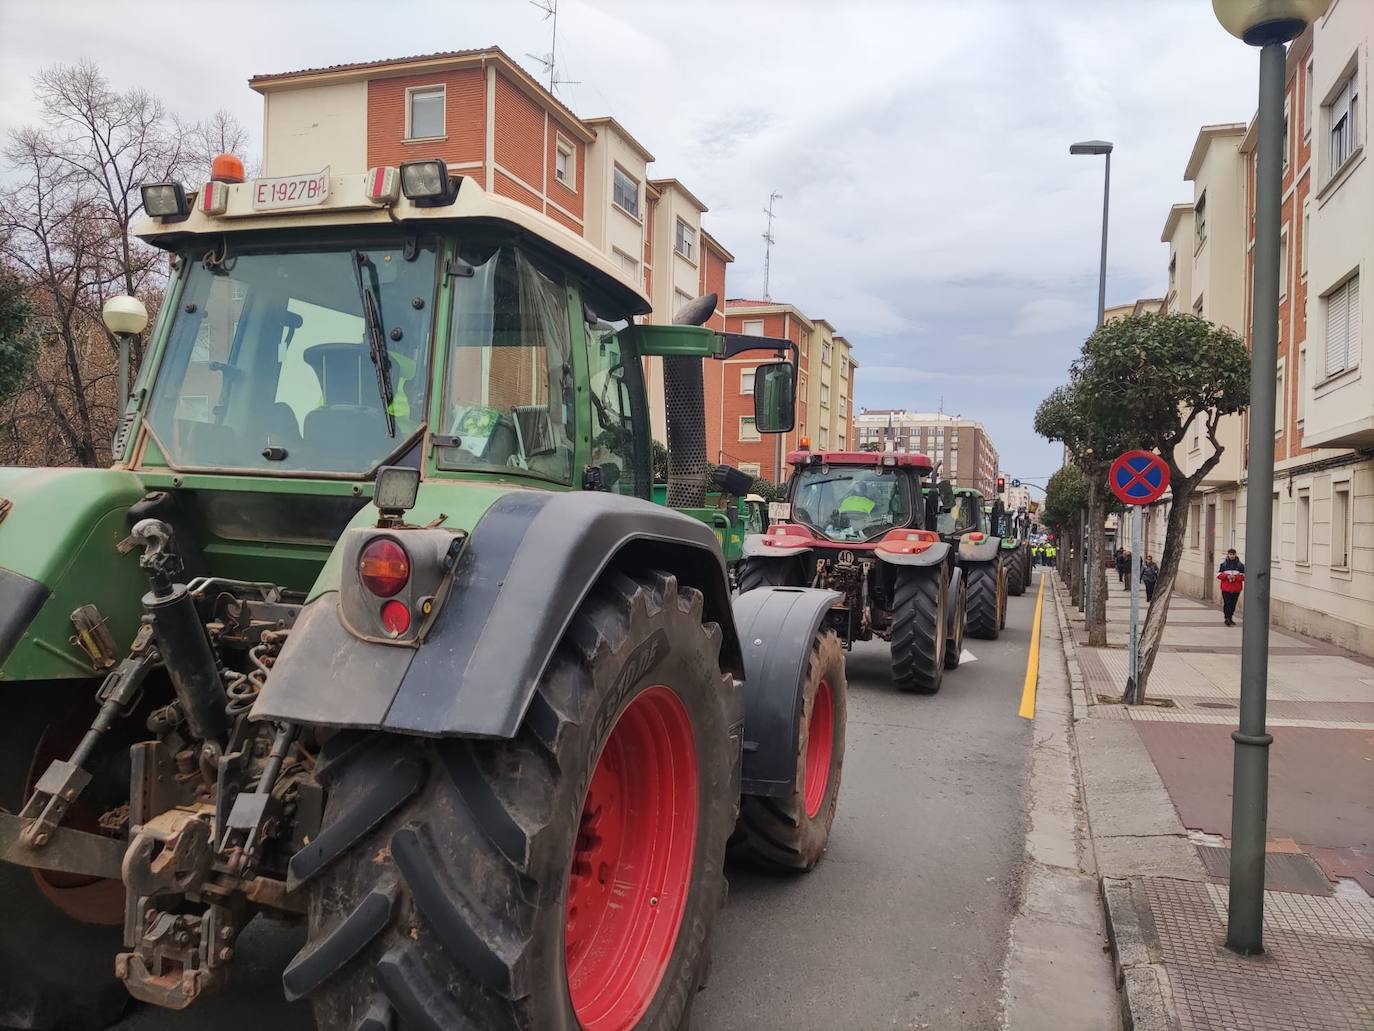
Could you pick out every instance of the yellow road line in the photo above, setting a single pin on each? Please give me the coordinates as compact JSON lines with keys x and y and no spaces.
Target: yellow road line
{"x":1033,"y":663}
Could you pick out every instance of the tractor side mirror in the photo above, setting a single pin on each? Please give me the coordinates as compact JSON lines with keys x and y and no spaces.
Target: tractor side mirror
{"x":774,"y":397}
{"x":946,"y":490}
{"x":999,"y":515}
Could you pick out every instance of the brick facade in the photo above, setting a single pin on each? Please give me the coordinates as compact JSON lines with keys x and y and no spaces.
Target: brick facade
{"x":463,"y":147}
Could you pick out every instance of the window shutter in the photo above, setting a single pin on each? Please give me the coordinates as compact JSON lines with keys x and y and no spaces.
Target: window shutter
{"x":1352,"y":323}
{"x":1337,"y":330}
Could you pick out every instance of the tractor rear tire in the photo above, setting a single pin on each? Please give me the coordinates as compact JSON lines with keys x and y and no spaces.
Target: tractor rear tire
{"x":954,"y":645}
{"x":790,"y":834}
{"x":565,"y":879}
{"x":985,"y":599}
{"x":1016,"y":575}
{"x":919,"y":629}
{"x":59,"y":933}
{"x":768,"y":572}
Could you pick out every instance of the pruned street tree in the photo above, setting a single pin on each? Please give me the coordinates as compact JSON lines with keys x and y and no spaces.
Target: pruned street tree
{"x":1146,"y":381}
{"x":1066,"y":500}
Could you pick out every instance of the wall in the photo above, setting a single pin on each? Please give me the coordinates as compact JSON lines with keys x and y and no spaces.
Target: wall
{"x":465,"y":110}
{"x":306,"y":129}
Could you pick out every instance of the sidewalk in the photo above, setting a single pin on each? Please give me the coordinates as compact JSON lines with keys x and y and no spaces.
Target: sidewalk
{"x":1157,"y":782}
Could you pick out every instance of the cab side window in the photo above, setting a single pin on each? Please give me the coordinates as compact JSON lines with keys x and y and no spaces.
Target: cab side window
{"x":620,"y":441}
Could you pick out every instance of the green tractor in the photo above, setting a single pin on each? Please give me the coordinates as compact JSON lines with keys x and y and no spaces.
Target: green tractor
{"x":963,"y":523}
{"x":372,"y":626}
{"x":1012,"y":529}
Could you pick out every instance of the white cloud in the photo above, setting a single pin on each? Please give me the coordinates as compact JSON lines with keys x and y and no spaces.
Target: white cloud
{"x":1046,"y":315}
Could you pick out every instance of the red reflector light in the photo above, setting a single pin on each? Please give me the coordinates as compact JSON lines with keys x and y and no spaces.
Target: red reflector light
{"x":975,"y":536}
{"x":395,"y":618}
{"x":384,"y":568}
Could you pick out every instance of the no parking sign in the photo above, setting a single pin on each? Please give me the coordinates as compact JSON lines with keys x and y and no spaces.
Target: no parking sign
{"x":1138,"y":477}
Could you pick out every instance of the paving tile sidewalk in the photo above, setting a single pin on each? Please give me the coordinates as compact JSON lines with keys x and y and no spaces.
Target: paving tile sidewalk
{"x":1156,"y":783}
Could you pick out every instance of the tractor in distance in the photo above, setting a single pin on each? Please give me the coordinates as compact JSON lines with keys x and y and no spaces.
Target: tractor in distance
{"x":967,"y":528}
{"x":859,"y":523}
{"x":1012,"y":528}
{"x":372,"y":626}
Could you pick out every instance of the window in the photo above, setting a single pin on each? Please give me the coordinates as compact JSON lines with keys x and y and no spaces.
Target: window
{"x":1343,"y":114}
{"x":844,"y":368}
{"x":685,"y":240}
{"x":266,"y":366}
{"x":747,"y":430}
{"x":1195,"y":526}
{"x":1279,"y":399}
{"x":1283,"y":264}
{"x":1307,"y":110}
{"x":753,"y":328}
{"x":825,"y":353}
{"x":1198,"y":306}
{"x":507,"y":397}
{"x":1275,"y":530}
{"x":425,"y":113}
{"x":1173,"y":272}
{"x":824,"y":438}
{"x":1305,"y":244}
{"x":840,"y":442}
{"x":1343,"y":327}
{"x":842,"y":407}
{"x":565,"y":163}
{"x":1228,"y":523}
{"x":1200,"y":219}
{"x":1300,"y":402}
{"x":621,"y":446}
{"x":627,"y":263}
{"x":1304,"y":548}
{"x":825,"y":395}
{"x":625,"y":192}
{"x":1285,"y":134}
{"x":681,"y":298}
{"x":1340,"y":526}
{"x":1196,"y":444}
{"x":746,"y":381}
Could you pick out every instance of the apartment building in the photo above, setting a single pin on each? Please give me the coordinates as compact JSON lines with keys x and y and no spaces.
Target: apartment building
{"x":960,"y":447}
{"x":1323,"y":502}
{"x":493,"y":123}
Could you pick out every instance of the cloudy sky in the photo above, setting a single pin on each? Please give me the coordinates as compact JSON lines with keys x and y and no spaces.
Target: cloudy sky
{"x":930,"y":209}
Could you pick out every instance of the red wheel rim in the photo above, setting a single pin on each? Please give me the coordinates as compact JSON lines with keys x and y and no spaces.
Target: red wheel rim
{"x":632,"y":863}
{"x":820,"y":743}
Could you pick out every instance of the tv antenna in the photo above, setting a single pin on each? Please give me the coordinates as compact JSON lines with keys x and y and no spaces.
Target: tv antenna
{"x":767,"y":241}
{"x":550,"y":9}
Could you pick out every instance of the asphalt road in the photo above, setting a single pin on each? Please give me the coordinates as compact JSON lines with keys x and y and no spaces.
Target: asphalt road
{"x":902,"y":925}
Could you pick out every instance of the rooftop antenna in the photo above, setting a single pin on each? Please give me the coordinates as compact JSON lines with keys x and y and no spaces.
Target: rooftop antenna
{"x":767,"y":240}
{"x":550,"y":9}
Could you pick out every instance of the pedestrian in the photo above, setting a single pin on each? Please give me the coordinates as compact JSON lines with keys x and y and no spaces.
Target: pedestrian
{"x":1120,"y":566}
{"x":1050,"y":552}
{"x":1149,"y":576}
{"x":1231,"y":573}
{"x":1126,"y":571}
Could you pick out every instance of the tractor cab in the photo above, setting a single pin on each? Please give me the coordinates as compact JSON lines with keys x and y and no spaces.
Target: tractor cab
{"x":854,"y":499}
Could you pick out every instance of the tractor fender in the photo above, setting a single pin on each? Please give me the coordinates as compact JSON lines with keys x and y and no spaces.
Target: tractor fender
{"x":776,"y":627}
{"x":780,"y":542}
{"x":956,"y":581}
{"x":934,"y":555}
{"x":985,"y":550}
{"x":526,"y":568}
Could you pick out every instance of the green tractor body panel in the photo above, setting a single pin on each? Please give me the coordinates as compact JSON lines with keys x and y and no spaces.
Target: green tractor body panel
{"x":60,"y":532}
{"x":726,"y":518}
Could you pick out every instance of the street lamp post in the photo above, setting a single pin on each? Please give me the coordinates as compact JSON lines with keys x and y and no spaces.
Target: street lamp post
{"x":1104,"y":148}
{"x":1267,"y":24}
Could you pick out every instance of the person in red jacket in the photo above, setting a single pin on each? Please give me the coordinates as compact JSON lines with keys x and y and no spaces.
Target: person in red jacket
{"x":1231,"y":573}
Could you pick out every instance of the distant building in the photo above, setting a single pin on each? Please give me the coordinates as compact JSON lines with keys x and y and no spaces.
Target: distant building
{"x":1015,"y":497}
{"x":961,"y":447}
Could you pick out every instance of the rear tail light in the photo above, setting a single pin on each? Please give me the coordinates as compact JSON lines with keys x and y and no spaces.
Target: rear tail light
{"x":383,"y":185}
{"x":214,"y":198}
{"x":395,"y":617}
{"x":384,"y":568}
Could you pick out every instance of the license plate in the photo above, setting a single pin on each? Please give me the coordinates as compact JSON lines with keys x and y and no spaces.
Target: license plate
{"x":780,"y":510}
{"x":291,"y":191}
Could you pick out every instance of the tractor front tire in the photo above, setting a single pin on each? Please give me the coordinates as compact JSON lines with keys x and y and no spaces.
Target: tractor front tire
{"x":791,"y":833}
{"x":768,"y":572}
{"x":954,"y":645}
{"x":565,"y":879}
{"x":986,"y":599}
{"x":59,"y":933}
{"x":918,"y":629}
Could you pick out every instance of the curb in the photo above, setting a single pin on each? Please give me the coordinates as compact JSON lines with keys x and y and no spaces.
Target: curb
{"x":1146,"y":997}
{"x":1077,"y":685}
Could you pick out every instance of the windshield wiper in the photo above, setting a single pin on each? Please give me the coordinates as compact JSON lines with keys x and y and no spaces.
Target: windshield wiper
{"x":376,"y":338}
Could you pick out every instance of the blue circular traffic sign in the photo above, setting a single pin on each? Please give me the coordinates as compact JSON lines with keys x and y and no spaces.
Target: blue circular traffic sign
{"x":1139,"y":477}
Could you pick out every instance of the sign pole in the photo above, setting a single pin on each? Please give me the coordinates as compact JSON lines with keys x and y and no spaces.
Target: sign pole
{"x":1132,"y":692}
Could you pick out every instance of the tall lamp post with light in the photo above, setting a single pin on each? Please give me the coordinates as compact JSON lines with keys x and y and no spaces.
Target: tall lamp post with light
{"x":1267,"y":24}
{"x":1094,"y":148}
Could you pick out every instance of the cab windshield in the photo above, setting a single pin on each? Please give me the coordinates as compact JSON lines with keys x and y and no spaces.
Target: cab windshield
{"x":268,"y":363}
{"x":963,"y":516}
{"x":851,"y":504}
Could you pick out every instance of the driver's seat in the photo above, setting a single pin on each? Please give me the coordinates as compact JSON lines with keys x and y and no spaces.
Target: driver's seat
{"x":346,"y":424}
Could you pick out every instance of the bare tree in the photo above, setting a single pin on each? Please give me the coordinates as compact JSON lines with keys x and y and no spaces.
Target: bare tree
{"x":221,"y":133}
{"x":65,"y":224}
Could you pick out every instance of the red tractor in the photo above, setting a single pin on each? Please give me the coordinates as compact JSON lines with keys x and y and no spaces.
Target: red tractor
{"x":860,"y":524}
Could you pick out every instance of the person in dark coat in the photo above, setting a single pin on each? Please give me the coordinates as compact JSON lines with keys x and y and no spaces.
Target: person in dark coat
{"x":1149,"y":576}
{"x":1231,"y":573}
{"x":1121,"y":566}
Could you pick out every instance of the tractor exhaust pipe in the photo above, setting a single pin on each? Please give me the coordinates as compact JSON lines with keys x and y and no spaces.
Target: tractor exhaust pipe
{"x":685,"y":401}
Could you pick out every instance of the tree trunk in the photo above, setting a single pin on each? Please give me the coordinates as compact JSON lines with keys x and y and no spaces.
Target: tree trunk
{"x":1096,"y":609}
{"x":1153,"y":632}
